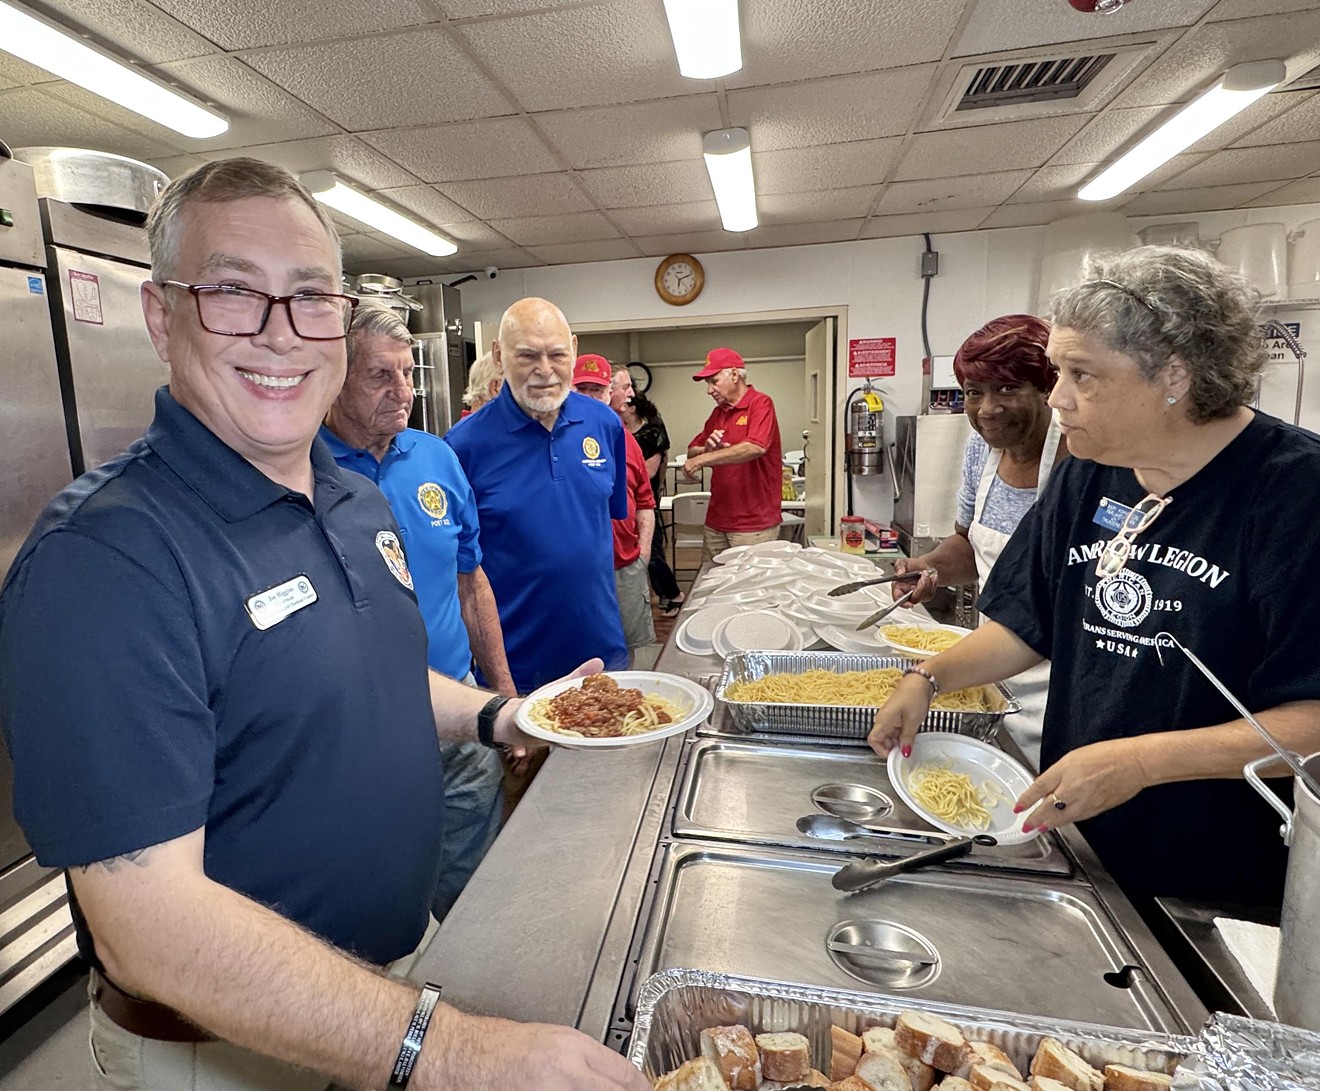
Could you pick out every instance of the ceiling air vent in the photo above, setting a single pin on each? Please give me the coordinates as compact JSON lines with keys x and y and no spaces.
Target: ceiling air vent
{"x":1308,"y":81}
{"x":1034,"y":81}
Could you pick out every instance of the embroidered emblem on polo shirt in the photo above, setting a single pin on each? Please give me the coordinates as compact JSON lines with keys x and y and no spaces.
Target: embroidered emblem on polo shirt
{"x":387,"y":542}
{"x":433,"y":500}
{"x":742,"y":419}
{"x":590,"y":447}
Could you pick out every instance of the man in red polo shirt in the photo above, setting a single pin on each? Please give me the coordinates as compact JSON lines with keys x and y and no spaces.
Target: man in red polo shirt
{"x":632,"y":536}
{"x":740,"y":445}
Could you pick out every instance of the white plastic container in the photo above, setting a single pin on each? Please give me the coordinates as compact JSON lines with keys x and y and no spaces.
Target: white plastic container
{"x":1304,"y":262}
{"x":1260,"y":253}
{"x":1070,"y":242}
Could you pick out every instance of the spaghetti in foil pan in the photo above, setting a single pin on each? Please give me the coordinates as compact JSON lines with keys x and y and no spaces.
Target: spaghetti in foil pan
{"x":674,"y":1006}
{"x":840,"y":721}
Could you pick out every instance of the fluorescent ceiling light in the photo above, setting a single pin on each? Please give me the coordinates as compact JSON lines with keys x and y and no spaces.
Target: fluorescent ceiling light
{"x":728,"y":155}
{"x":327,"y":189}
{"x":1241,"y":85}
{"x":61,"y":54}
{"x":706,"y":37}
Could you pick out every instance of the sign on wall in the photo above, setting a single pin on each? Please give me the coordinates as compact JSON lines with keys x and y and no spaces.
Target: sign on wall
{"x":871,"y":357}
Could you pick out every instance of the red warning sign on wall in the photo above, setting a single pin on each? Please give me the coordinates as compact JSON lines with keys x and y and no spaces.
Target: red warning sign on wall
{"x":871,"y":357}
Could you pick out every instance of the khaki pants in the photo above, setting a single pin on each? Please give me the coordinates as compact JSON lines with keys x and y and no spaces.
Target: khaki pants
{"x":123,"y":1061}
{"x":716,"y":541}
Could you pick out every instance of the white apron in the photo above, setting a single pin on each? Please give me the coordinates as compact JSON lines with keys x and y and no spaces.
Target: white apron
{"x":1031,"y":686}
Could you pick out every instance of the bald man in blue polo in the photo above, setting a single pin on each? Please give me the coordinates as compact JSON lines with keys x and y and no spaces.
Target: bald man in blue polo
{"x":549,"y":471}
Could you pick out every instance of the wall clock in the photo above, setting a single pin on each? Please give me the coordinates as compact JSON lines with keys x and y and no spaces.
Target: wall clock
{"x":679,"y":279}
{"x":641,"y":375}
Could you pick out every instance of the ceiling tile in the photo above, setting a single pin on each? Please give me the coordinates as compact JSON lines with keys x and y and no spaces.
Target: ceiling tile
{"x":573,"y":252}
{"x":1277,"y":162}
{"x":1241,"y":130}
{"x":608,"y":53}
{"x":1000,"y":25}
{"x":475,"y":235}
{"x":405,"y":85}
{"x":467,"y":9}
{"x":697,"y":242}
{"x":1304,"y":191}
{"x":971,"y":191}
{"x":1196,"y":60}
{"x":695,"y":216}
{"x":347,"y":156}
{"x":645,"y":132}
{"x":239,"y":24}
{"x":420,"y":266}
{"x":493,"y":148}
{"x":511,"y":257}
{"x":1301,"y":121}
{"x":175,"y":165}
{"x":528,"y":195}
{"x":1062,"y":183}
{"x":259,"y":112}
{"x":30,"y":116}
{"x":833,"y":110}
{"x":16,"y":73}
{"x":969,"y":150}
{"x":830,"y":166}
{"x":829,"y":204}
{"x":1170,"y":201}
{"x":963,"y":219}
{"x":136,"y":30}
{"x":1041,"y":212}
{"x":651,"y":184}
{"x":369,"y":246}
{"x":803,"y":234}
{"x":428,"y":203}
{"x":540,"y":230}
{"x":806,"y":39}
{"x":1105,"y":135}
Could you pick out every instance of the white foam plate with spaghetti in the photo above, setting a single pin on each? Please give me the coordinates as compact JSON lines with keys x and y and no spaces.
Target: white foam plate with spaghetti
{"x":756,"y":631}
{"x":695,"y":635}
{"x":846,"y":638}
{"x":985,"y":764}
{"x":907,"y":649}
{"x":694,"y":700}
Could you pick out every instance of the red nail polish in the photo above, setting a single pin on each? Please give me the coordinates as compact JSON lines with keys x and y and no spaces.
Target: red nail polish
{"x":1027,"y":827}
{"x":907,"y":751}
{"x":1018,"y":808}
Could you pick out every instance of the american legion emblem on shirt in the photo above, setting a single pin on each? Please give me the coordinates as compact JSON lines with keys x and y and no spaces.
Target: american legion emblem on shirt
{"x":433,"y":500}
{"x":387,"y":543}
{"x":590,"y":447}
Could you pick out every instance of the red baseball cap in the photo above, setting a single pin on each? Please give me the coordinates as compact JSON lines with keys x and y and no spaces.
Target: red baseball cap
{"x":591,"y":369}
{"x":716,"y":361}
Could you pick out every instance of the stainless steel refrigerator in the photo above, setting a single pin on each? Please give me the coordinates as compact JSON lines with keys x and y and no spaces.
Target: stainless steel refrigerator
{"x":928,"y":471}
{"x":441,"y":375}
{"x":36,"y":933}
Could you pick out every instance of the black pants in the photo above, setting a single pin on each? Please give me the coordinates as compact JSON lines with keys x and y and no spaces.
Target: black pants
{"x":663,"y":582}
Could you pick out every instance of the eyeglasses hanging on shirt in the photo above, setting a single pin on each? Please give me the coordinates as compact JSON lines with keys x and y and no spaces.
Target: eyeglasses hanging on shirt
{"x":1114,"y":557}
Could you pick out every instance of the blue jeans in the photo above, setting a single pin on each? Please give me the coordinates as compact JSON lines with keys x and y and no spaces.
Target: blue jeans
{"x":473,"y":807}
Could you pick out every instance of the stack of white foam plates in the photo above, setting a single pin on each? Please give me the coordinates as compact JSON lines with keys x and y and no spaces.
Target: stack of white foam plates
{"x":695,"y":635}
{"x":832,"y":611}
{"x":756,"y":630}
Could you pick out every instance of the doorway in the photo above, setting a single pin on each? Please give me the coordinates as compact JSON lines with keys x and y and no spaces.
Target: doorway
{"x":790,"y":356}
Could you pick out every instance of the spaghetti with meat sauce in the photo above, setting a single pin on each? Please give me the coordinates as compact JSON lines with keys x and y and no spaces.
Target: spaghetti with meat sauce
{"x":601,"y":709}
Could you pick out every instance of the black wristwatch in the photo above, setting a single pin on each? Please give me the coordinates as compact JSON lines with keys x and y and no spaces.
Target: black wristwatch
{"x":486,"y":719}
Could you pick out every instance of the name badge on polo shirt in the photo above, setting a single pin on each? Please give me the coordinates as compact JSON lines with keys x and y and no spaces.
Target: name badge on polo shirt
{"x":1110,"y":514}
{"x":270,"y":607}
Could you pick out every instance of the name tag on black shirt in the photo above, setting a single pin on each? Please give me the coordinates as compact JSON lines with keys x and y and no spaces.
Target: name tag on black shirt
{"x":270,"y":607}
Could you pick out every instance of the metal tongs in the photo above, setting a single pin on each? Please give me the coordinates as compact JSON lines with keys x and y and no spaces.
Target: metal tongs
{"x":885,"y":611}
{"x":1293,"y":761}
{"x":865,"y":873}
{"x":849,"y":588}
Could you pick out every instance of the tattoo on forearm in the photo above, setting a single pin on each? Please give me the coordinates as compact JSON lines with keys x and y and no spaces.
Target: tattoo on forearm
{"x":137,"y":857}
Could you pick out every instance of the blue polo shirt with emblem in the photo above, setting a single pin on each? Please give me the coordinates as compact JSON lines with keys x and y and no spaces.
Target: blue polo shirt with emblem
{"x":185,"y":643}
{"x":546,"y":498}
{"x":437,"y":516}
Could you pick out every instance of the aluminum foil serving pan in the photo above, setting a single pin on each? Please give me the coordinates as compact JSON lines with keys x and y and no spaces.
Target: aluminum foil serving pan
{"x":839,"y":721}
{"x":676,"y":1005}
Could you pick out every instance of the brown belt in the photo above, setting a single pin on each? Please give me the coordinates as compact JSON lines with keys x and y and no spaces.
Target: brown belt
{"x":145,"y":1018}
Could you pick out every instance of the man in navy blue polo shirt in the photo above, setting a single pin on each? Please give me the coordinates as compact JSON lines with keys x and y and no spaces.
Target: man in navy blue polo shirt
{"x":367,"y":431}
{"x":214,"y":690}
{"x":549,"y":470}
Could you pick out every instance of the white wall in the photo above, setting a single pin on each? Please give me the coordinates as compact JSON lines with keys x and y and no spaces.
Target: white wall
{"x":982,"y":274}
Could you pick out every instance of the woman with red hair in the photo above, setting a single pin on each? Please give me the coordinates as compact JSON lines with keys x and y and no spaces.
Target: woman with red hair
{"x":1006,"y":380}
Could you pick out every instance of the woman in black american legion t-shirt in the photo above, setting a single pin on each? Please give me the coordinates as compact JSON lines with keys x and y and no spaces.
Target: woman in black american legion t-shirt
{"x":1158,"y":355}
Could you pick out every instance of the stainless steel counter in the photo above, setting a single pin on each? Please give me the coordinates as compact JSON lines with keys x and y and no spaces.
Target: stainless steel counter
{"x":561,"y":918}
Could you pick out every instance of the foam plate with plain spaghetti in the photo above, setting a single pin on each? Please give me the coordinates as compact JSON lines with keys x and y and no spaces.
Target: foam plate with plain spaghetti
{"x":911,"y":650}
{"x":693,"y":701}
{"x":985,"y":764}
